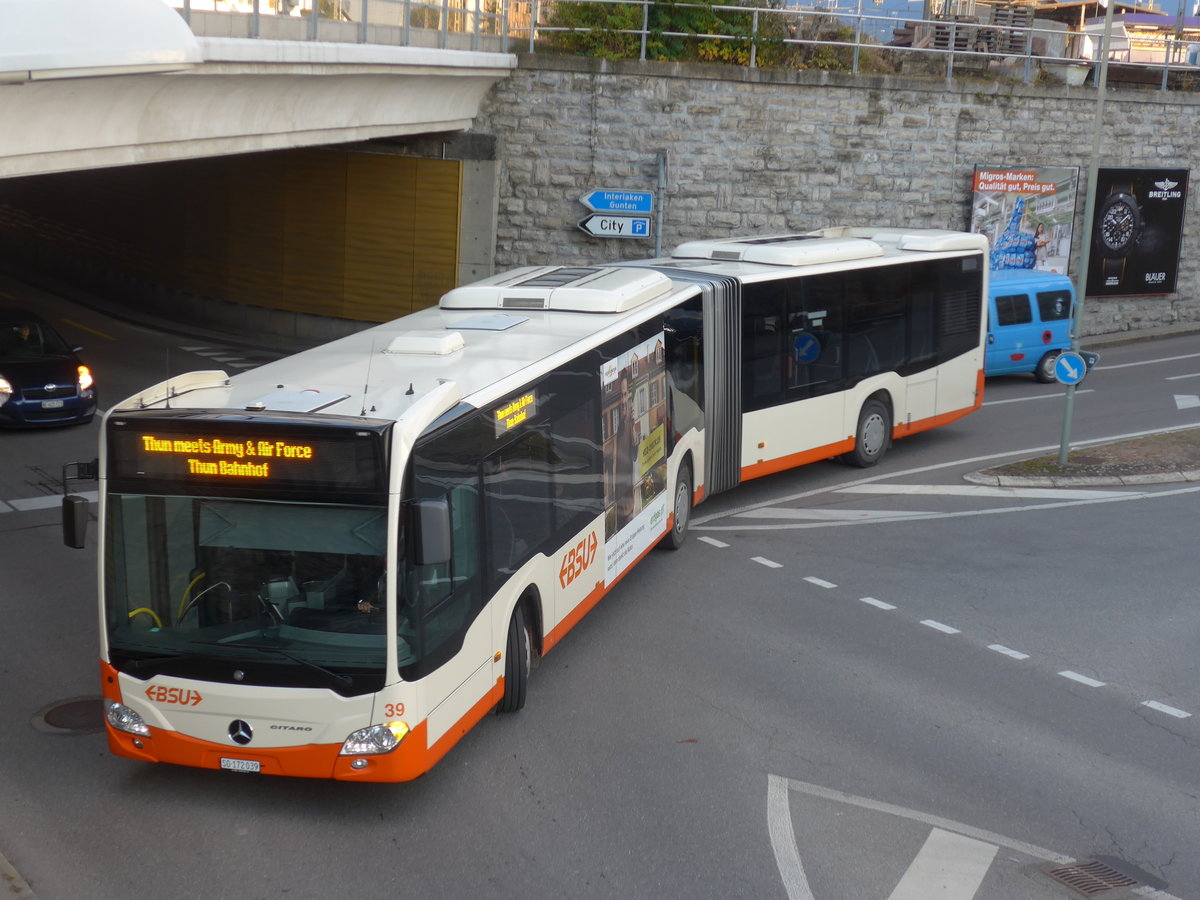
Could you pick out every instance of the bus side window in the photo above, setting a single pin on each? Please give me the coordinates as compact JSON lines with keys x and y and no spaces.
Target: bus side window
{"x":519,"y":484}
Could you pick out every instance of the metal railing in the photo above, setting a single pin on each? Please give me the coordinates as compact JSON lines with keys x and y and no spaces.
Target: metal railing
{"x":757,"y":36}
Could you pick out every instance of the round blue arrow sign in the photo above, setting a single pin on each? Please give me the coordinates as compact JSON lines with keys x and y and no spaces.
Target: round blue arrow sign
{"x":1069,"y":367}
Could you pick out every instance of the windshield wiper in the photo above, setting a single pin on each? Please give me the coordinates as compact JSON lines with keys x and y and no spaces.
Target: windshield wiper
{"x":342,"y":681}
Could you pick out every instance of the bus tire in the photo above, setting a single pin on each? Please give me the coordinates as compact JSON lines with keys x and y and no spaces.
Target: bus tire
{"x":683,"y":508}
{"x":1045,"y":368}
{"x":872,"y":436}
{"x":517,"y":662}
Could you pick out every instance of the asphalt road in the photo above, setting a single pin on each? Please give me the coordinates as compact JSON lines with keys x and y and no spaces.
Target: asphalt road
{"x":848,"y":684}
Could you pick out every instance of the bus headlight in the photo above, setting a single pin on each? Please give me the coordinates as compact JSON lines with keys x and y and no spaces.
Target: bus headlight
{"x":122,"y":718}
{"x":375,"y":740}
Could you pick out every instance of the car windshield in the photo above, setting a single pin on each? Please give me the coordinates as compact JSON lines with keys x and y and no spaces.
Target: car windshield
{"x":29,"y":339}
{"x":294,"y":593}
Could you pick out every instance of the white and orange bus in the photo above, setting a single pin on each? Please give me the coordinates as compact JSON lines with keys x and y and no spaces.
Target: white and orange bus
{"x":336,"y":564}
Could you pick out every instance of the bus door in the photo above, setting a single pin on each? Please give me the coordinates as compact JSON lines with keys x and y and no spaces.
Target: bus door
{"x":722,"y":354}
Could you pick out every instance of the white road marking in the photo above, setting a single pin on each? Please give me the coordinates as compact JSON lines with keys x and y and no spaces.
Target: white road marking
{"x":949,"y":867}
{"x":713,"y":541}
{"x":46,"y":502}
{"x":962,"y":514}
{"x":1037,"y":397}
{"x":819,"y":582}
{"x":1015,"y":654}
{"x":827,"y":515}
{"x":787,"y":856}
{"x":979,"y":490}
{"x":919,"y":470}
{"x":1169,"y":710}
{"x":1186,"y":401}
{"x":783,"y":840}
{"x":766,"y":562}
{"x":1082,"y":679}
{"x":938,"y":626}
{"x":1150,"y":362}
{"x":878,"y":604}
{"x":1182,"y":377}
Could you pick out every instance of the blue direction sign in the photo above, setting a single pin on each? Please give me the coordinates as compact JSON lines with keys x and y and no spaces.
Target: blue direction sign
{"x":616,"y":226}
{"x":806,"y":347}
{"x":1069,"y":367}
{"x":604,"y":200}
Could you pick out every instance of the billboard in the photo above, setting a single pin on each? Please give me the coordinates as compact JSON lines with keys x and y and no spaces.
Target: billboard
{"x":1136,"y":231}
{"x":1027,"y":214}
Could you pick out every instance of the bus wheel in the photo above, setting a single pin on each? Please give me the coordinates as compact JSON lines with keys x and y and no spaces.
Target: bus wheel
{"x":873,"y":434}
{"x":517,"y":662}
{"x":683,"y":508}
{"x":1045,"y":368}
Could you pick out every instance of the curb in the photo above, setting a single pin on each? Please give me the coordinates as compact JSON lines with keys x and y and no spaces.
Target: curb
{"x":1068,"y":481}
{"x":10,"y":878}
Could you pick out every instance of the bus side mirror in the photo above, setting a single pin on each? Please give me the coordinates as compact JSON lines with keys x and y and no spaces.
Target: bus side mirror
{"x":432,"y":532}
{"x":75,"y":521}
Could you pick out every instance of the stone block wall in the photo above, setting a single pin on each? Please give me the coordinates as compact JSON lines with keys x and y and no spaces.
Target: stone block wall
{"x":753,"y":151}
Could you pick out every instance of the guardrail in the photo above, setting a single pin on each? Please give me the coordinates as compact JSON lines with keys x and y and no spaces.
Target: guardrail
{"x":756,"y":36}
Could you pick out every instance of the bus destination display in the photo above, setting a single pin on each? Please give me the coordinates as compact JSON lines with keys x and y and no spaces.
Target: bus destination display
{"x":206,"y":456}
{"x":238,"y":459}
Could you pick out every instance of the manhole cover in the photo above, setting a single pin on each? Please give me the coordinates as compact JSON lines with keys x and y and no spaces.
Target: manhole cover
{"x":79,"y":715}
{"x":1090,"y":878}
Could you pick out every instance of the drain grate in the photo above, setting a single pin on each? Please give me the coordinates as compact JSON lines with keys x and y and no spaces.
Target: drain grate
{"x":1090,"y":878}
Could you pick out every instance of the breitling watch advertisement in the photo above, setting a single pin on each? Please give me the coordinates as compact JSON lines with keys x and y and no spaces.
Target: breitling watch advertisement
{"x":1136,"y":232}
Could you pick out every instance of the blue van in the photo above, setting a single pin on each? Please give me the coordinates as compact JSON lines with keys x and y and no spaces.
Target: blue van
{"x":1030,"y":317}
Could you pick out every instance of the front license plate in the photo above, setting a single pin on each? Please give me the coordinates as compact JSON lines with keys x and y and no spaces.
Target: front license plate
{"x":52,"y":404}
{"x":240,"y":765}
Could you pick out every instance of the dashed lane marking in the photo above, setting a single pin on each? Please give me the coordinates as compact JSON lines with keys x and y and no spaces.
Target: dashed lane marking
{"x":939,"y":626}
{"x":819,"y":582}
{"x":1008,"y":651}
{"x":1081,"y":679}
{"x":878,"y":604}
{"x":714,"y":542}
{"x":763,"y":561}
{"x":1169,"y":710}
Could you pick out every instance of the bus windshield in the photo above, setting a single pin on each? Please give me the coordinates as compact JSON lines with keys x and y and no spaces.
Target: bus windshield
{"x":288,"y":593}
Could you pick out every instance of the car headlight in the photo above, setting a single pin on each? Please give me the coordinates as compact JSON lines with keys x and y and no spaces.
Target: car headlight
{"x":6,"y":390}
{"x":122,"y":718}
{"x":85,"y":378}
{"x":375,"y":740}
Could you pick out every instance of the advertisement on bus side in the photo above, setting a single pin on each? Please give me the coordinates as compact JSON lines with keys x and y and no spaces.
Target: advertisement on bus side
{"x":633,"y":387}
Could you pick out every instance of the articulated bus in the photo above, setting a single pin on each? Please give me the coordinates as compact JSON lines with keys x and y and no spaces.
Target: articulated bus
{"x":334,"y":565}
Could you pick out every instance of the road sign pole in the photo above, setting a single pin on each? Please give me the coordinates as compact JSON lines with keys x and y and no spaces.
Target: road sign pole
{"x":1089,"y":213}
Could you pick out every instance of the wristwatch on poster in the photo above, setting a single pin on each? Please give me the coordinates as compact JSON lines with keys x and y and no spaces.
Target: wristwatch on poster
{"x":1118,"y":228}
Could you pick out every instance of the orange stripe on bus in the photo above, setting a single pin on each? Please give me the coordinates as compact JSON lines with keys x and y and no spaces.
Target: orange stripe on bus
{"x":410,"y":760}
{"x":571,"y":619}
{"x":793,"y":460}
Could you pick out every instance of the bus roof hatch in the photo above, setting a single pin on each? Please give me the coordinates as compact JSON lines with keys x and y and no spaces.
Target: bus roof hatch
{"x":781,"y":250}
{"x":568,"y":288}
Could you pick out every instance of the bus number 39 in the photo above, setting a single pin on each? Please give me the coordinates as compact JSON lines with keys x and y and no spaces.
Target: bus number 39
{"x":577,"y":559}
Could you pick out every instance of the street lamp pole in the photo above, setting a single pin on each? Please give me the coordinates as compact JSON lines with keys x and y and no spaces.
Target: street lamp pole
{"x":1089,"y":214}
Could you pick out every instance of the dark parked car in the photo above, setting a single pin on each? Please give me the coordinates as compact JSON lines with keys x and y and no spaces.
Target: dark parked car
{"x":42,"y":381}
